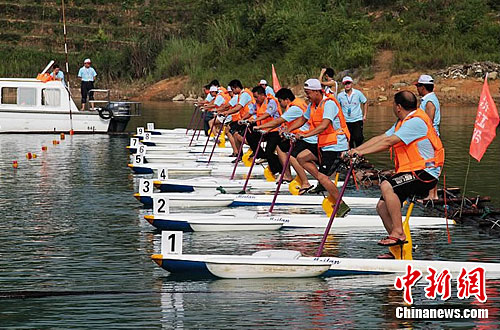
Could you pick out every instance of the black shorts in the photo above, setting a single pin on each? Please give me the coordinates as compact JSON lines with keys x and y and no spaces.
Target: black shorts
{"x":329,"y":162}
{"x":301,"y":145}
{"x":407,"y":184}
{"x":235,"y":127}
{"x":284,"y":145}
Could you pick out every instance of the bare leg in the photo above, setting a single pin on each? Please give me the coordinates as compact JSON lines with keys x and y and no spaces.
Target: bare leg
{"x":307,"y":160}
{"x":282,"y":158}
{"x":233,"y":143}
{"x":384,"y":215}
{"x":300,"y":172}
{"x":393,"y":206}
{"x":433,"y":193}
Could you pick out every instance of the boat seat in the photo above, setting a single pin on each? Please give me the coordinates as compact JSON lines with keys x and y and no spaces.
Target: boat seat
{"x":281,"y":254}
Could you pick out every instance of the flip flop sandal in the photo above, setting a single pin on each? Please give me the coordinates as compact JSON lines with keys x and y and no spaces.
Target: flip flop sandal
{"x":396,"y":240}
{"x":386,"y":256}
{"x":303,"y":191}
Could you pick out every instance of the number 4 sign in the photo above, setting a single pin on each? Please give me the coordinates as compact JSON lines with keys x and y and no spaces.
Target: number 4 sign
{"x":171,"y":242}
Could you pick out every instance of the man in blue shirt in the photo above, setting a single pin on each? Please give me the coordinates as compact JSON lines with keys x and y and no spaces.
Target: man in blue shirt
{"x":417,"y":159}
{"x":350,"y":100}
{"x":269,"y":89}
{"x":58,"y":74}
{"x":87,"y":76}
{"x":430,"y":104}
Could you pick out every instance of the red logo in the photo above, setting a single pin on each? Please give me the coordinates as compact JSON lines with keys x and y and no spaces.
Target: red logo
{"x":438,"y":285}
{"x":407,"y":281}
{"x":472,"y":283}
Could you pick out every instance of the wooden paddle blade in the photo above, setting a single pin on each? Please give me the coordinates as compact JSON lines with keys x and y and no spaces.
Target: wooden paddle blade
{"x":328,"y":204}
{"x":269,"y":175}
{"x":408,"y":247}
{"x":222,"y":139}
{"x":247,"y":161}
{"x":294,"y":186}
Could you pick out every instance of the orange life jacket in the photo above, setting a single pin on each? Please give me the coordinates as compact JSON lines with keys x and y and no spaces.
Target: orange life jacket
{"x":329,"y":135}
{"x":408,"y":158}
{"x":246,"y":109}
{"x":261,"y":110}
{"x":226,"y":97}
{"x":222,"y":89}
{"x":298,"y":102}
{"x":44,"y":77}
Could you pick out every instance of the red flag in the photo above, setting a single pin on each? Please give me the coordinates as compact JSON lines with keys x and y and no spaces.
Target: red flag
{"x":276,"y":83}
{"x":486,"y":123}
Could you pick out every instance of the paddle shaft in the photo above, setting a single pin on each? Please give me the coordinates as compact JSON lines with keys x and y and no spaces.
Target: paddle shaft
{"x":253,"y":163}
{"x":192,"y":118}
{"x":217,"y":138}
{"x":203,"y":116}
{"x":280,"y":181}
{"x":239,"y":153}
{"x":195,"y":128}
{"x":335,"y":209}
{"x":210,"y":133}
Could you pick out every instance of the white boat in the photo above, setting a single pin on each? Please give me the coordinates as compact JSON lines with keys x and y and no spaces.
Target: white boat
{"x":194,"y":199}
{"x":28,"y":105}
{"x":185,"y":157}
{"x":215,"y":183}
{"x":287,"y":263}
{"x":192,"y":168}
{"x":240,"y":217}
{"x":154,"y":150}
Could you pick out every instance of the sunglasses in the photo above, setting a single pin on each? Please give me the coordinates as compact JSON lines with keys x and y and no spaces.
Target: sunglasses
{"x":419,"y":85}
{"x":348,"y":83}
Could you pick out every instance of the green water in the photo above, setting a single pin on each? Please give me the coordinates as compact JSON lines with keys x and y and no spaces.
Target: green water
{"x":70,"y":225}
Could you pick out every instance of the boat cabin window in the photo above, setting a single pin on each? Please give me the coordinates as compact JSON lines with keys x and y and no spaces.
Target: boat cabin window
{"x":26,"y":96}
{"x":9,"y":95}
{"x":51,"y":97}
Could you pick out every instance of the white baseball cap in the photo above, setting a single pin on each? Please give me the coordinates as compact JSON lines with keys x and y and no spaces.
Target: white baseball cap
{"x":425,"y":79}
{"x":347,"y":79}
{"x":313,"y":84}
{"x":87,"y":60}
{"x":214,"y":89}
{"x":229,"y":89}
{"x":263,"y":82}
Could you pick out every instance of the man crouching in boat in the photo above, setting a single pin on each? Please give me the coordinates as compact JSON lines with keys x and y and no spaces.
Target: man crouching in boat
{"x":328,"y":123}
{"x":419,"y":156}
{"x":294,"y":109}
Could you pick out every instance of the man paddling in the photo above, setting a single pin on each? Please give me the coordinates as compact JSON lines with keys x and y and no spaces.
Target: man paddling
{"x":430,"y":104}
{"x":419,"y":156}
{"x":327,"y":122}
{"x":294,"y":109}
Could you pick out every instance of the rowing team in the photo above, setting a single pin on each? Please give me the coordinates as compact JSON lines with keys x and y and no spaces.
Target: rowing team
{"x":323,"y":138}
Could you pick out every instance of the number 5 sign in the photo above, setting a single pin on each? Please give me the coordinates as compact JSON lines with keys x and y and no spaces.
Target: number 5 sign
{"x":171,"y":242}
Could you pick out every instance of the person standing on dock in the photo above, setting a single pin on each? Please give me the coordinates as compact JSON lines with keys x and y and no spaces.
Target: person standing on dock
{"x":350,"y":100}
{"x":419,"y":157}
{"x":430,"y":104}
{"x":327,"y":80}
{"x":269,"y":90}
{"x":87,"y":75}
{"x":327,"y":122}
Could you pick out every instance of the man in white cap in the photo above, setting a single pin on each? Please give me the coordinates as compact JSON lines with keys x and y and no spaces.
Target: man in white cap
{"x":350,"y":100}
{"x":87,"y":76}
{"x":430,"y":104}
{"x":327,"y":122}
{"x":269,"y":89}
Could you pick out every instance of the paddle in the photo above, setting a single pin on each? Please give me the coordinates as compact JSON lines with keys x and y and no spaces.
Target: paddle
{"x":335,"y":209}
{"x":192,"y":117}
{"x":203,"y":115}
{"x":292,"y":139}
{"x":196,"y":128}
{"x":210,"y":133}
{"x":244,"y":122}
{"x":216,"y":138}
{"x":262,"y":133}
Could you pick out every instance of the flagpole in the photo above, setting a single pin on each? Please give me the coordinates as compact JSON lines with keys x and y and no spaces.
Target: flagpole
{"x":465,"y":187}
{"x":67,"y":68}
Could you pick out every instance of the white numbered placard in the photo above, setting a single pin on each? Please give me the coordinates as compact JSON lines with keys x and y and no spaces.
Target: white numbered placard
{"x":134,"y":142}
{"x":147,"y":136}
{"x":146,"y":187}
{"x":171,"y":242}
{"x":141,"y":150}
{"x":151,"y":126}
{"x":137,"y":159}
{"x":160,"y":206}
{"x":140,"y":130}
{"x":163,"y":174}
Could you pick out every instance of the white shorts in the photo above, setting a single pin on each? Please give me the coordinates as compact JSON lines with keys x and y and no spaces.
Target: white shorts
{"x":227,"y":121}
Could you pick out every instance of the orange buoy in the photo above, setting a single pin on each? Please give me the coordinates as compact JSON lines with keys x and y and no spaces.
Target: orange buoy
{"x":62,"y":136}
{"x":15,"y":164}
{"x":44,"y":148}
{"x":29,"y":155}
{"x":34,"y":156}
{"x":71,"y":132}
